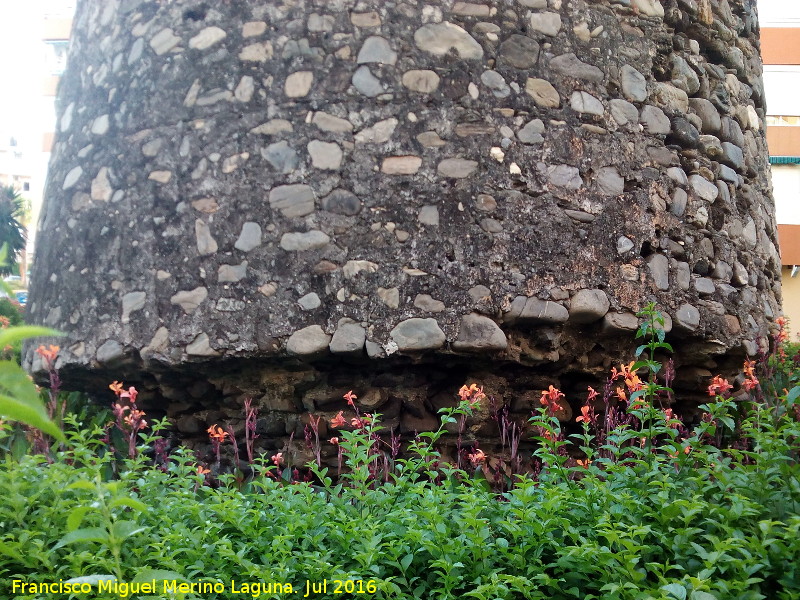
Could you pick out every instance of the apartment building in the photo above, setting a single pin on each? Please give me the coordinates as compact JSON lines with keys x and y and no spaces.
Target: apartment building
{"x":780,"y":47}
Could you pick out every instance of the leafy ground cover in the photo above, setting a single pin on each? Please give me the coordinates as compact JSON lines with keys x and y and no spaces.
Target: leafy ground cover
{"x":637,"y":505}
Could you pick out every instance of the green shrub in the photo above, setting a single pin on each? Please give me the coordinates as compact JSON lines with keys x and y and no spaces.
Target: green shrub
{"x":646,"y":509}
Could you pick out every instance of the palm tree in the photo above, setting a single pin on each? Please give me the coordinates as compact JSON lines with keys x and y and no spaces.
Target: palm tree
{"x":12,"y":231}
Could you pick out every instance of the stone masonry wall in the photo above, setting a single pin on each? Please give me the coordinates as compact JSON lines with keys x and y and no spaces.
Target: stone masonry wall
{"x":287,"y":199}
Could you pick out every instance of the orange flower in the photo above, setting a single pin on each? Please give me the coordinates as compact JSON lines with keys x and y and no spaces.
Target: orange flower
{"x":356,"y":422}
{"x":4,"y":322}
{"x":621,"y":394}
{"x":782,"y":322}
{"x":472,"y":394}
{"x":750,"y":384}
{"x":624,"y":371}
{"x":278,"y":459}
{"x":633,"y":383}
{"x":201,"y":470}
{"x":583,"y":463}
{"x":216,"y":433}
{"x":135,"y":420}
{"x":350,"y":396}
{"x":584,"y":414}
{"x":719,"y":386}
{"x":478,"y":457}
{"x":338,"y":420}
{"x":49,"y":354}
{"x":334,"y":441}
{"x":131,"y":393}
{"x":116,"y":387}
{"x":592,"y":394}
{"x":550,"y":397}
{"x":749,"y":368}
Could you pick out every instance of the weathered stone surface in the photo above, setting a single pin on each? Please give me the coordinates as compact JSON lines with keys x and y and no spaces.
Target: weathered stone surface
{"x":325,"y":155}
{"x":564,"y":176}
{"x":232,"y":273}
{"x":401,"y":165}
{"x":377,"y":49}
{"x":378,"y":133}
{"x":295,"y":200}
{"x":654,"y":120}
{"x":534,"y":310}
{"x":310,"y":301}
{"x":201,"y":346}
{"x":415,"y":334}
{"x":349,"y":338}
{"x":588,"y":306}
{"x":423,"y":81}
{"x":456,"y":168}
{"x":704,"y":188}
{"x":659,"y":270}
{"x":189,"y":300}
{"x":309,"y":341}
{"x":427,"y":303}
{"x":543,"y":93}
{"x":532,"y":132}
{"x":296,"y":241}
{"x":342,"y":202}
{"x":519,"y":51}
{"x":479,"y":334}
{"x":131,"y":302}
{"x":376,"y":163}
{"x":109,"y":351}
{"x":207,"y":38}
{"x":548,"y":23}
{"x":610,"y":182}
{"x":298,"y":84}
{"x":585,"y":103}
{"x":687,"y":317}
{"x":366,"y":83}
{"x":206,"y":244}
{"x":634,"y":85}
{"x":571,"y":66}
{"x":439,"y":38}
{"x":709,"y":116}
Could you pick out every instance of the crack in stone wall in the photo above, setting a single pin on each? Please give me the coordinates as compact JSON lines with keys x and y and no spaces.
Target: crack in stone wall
{"x":289,"y":199}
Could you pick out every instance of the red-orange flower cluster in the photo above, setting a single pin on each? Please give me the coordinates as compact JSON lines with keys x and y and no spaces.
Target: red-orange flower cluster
{"x":471,"y":394}
{"x":48,"y":354}
{"x":751,"y":381}
{"x":719,"y":387}
{"x":338,"y":421}
{"x":217,"y":434}
{"x":550,"y":398}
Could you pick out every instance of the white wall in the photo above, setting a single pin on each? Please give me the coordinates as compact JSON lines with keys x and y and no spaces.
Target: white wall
{"x":779,"y":13}
{"x":786,"y":189}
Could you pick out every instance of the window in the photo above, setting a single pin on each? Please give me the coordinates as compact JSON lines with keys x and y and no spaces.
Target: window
{"x":56,"y":56}
{"x":26,"y":187}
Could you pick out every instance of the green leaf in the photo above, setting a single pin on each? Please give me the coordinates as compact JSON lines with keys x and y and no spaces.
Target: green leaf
{"x":35,"y":416}
{"x":75,"y":518}
{"x":697,"y":595}
{"x":11,"y":335}
{"x":406,"y":560}
{"x":145,"y":575}
{"x":792,"y":396}
{"x":89,"y":534}
{"x":122,"y":530}
{"x":129,"y":502}
{"x":676,"y":590}
{"x":81,"y":484}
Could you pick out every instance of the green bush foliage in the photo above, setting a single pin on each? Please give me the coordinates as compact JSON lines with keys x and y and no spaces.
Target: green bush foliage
{"x":642,"y":507}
